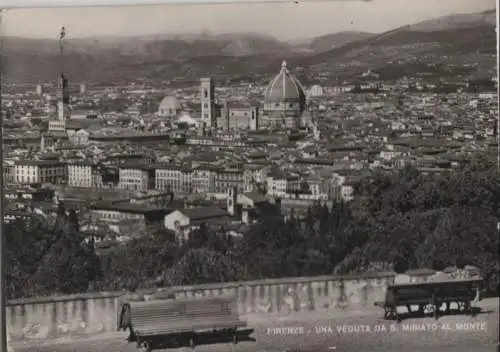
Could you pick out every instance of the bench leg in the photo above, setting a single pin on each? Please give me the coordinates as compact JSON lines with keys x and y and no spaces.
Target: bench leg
{"x":435,"y":304}
{"x":468,"y":308}
{"x":436,"y":311}
{"x":192,"y":342}
{"x":390,"y":313}
{"x":145,"y":346}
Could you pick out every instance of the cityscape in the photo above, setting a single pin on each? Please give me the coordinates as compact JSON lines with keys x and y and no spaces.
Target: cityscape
{"x":147,"y":161}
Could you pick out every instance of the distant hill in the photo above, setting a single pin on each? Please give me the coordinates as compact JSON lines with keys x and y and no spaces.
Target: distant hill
{"x":103,"y":58}
{"x":169,"y":47}
{"x":459,"y":38}
{"x":487,"y":18}
{"x":335,"y":40}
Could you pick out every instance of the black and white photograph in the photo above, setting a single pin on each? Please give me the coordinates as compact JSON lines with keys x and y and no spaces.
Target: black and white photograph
{"x":302,"y":176}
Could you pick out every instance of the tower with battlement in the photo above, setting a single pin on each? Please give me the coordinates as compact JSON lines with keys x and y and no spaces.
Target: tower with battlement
{"x":63,"y":99}
{"x":62,"y":95}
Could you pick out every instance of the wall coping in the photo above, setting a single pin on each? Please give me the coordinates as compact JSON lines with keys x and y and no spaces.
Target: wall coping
{"x":214,"y":286}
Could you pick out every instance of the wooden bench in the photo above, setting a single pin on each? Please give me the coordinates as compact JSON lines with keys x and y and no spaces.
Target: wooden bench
{"x":431,"y":295}
{"x":174,"y":323}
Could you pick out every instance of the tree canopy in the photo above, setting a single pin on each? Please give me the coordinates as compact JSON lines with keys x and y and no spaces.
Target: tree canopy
{"x":398,"y":220}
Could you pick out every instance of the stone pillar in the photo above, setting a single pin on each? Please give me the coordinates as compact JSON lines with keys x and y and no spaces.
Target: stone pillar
{"x":275,"y":297}
{"x":308,"y":293}
{"x":342,"y":301}
{"x":47,"y":317}
{"x":283,"y":302}
{"x":80,"y":314}
{"x":251,"y":299}
{"x":241,"y":299}
{"x":61,"y":321}
{"x":18,"y":321}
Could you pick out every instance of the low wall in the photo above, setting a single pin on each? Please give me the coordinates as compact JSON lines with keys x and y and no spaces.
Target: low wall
{"x":52,"y":317}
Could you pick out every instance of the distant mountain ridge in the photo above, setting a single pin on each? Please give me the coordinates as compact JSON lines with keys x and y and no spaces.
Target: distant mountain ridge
{"x":334,"y":40}
{"x":168,"y":57}
{"x":456,"y":21}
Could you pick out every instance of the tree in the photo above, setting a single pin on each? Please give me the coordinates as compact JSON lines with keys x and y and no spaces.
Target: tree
{"x":200,"y":266}
{"x":401,"y":219}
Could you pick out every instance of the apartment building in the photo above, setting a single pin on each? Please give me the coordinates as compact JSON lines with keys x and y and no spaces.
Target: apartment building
{"x":137,"y":176}
{"x":80,"y":174}
{"x":41,"y":171}
{"x":184,"y":179}
{"x":9,"y":171}
{"x":254,"y":175}
{"x":203,"y":180}
{"x":172,"y":177}
{"x":229,"y":178}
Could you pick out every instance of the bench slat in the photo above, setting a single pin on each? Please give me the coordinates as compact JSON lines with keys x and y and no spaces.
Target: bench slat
{"x":173,"y":316}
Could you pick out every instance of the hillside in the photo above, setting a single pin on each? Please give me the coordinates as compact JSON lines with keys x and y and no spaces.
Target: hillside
{"x":487,"y":18}
{"x":335,"y":40}
{"x":397,"y":50}
{"x":102,"y":59}
{"x":454,"y":39}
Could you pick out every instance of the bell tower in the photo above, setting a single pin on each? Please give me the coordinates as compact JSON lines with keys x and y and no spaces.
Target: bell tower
{"x":207,"y":91}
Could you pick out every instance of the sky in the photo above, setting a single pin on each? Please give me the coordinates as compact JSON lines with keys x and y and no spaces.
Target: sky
{"x":285,"y":21}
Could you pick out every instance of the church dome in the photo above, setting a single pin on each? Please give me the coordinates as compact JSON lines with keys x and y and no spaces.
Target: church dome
{"x":285,"y":88}
{"x":169,"y":105}
{"x":316,"y":91}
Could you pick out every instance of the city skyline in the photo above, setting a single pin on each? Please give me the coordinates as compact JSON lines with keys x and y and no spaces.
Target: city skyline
{"x":329,"y":17}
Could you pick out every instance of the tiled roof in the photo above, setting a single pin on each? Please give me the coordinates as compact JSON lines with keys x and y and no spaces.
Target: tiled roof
{"x":256,"y":197}
{"x":126,"y":207}
{"x":204,"y":213}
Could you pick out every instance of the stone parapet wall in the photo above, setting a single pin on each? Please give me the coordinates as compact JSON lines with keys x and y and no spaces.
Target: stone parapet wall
{"x":84,"y":314}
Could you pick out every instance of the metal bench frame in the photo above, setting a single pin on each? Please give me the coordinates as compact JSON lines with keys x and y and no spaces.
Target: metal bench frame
{"x":435,"y":295}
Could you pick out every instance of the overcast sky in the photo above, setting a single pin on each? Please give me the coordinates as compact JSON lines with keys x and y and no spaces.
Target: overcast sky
{"x":283,"y":20}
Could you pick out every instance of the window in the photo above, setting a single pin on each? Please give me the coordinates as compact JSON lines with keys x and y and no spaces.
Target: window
{"x":205,"y":106}
{"x":205,"y":93}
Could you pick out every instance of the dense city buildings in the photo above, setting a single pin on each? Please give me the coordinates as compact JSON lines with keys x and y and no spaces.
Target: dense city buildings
{"x":213,"y":151}
{"x":306,"y":161}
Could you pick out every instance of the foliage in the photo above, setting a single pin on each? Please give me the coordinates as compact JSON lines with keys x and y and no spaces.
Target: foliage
{"x":400,"y":220}
{"x":44,"y":259}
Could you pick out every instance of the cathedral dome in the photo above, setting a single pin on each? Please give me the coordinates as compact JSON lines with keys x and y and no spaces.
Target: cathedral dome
{"x":169,"y":106}
{"x":285,"y":88}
